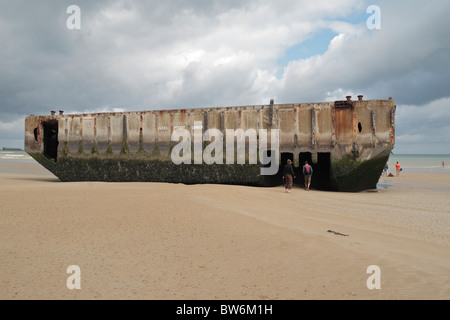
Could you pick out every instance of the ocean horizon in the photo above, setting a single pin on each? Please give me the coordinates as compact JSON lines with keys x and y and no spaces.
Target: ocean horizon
{"x":423,"y":163}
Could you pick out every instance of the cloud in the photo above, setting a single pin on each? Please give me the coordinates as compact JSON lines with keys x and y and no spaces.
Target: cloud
{"x":138,"y":52}
{"x":423,"y":129}
{"x":140,"y":55}
{"x":406,"y":59}
{"x":12,"y":133}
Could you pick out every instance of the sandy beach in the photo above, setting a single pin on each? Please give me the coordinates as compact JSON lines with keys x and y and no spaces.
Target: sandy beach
{"x":175,"y":241}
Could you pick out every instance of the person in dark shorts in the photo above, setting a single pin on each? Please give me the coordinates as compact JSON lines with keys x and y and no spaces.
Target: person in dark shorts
{"x":307,"y":173}
{"x":288,"y":176}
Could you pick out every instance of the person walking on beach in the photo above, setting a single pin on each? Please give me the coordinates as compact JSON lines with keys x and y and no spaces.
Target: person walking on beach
{"x":307,"y":173}
{"x":385,"y":170}
{"x":397,"y":169}
{"x":288,"y":176}
{"x":443,"y":164}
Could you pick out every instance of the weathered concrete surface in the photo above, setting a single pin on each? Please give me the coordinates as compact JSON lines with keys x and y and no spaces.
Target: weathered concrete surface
{"x":347,"y":142}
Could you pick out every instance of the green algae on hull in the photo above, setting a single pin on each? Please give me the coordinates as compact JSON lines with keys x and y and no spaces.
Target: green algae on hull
{"x":346,"y":174}
{"x":354,"y":175}
{"x":133,"y":168}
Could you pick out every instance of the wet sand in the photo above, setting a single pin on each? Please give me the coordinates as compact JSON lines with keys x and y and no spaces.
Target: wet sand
{"x":173,"y":241}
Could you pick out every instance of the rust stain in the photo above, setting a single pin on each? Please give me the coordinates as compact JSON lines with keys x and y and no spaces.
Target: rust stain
{"x":343,"y":124}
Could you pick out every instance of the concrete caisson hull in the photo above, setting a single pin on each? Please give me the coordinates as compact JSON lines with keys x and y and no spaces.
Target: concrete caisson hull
{"x":347,"y":142}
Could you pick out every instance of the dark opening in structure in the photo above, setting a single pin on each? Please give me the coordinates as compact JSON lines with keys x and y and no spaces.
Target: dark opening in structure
{"x":359,"y":127}
{"x":321,"y":179}
{"x":321,"y":170}
{"x":284,"y":156}
{"x":304,"y":156}
{"x":51,"y":140}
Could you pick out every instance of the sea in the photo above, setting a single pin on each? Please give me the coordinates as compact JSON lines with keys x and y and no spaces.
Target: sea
{"x":420,"y":163}
{"x":15,"y":156}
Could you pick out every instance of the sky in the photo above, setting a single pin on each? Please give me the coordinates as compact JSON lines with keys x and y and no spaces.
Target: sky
{"x":138,"y":55}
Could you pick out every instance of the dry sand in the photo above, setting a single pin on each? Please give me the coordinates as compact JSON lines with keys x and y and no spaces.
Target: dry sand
{"x":173,"y":241}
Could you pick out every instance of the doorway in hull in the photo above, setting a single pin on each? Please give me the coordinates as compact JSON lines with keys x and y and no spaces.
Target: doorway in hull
{"x":305,"y":156}
{"x":321,"y":170}
{"x":283,"y":161}
{"x":51,"y":140}
{"x":284,"y":158}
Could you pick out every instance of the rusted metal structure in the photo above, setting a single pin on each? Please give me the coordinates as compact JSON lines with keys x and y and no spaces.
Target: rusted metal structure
{"x":347,"y":142}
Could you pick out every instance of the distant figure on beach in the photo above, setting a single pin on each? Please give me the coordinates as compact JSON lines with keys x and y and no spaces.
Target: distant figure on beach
{"x":385,"y":170}
{"x":288,"y":176}
{"x":307,"y":173}
{"x":443,"y":164}
{"x":397,"y":169}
